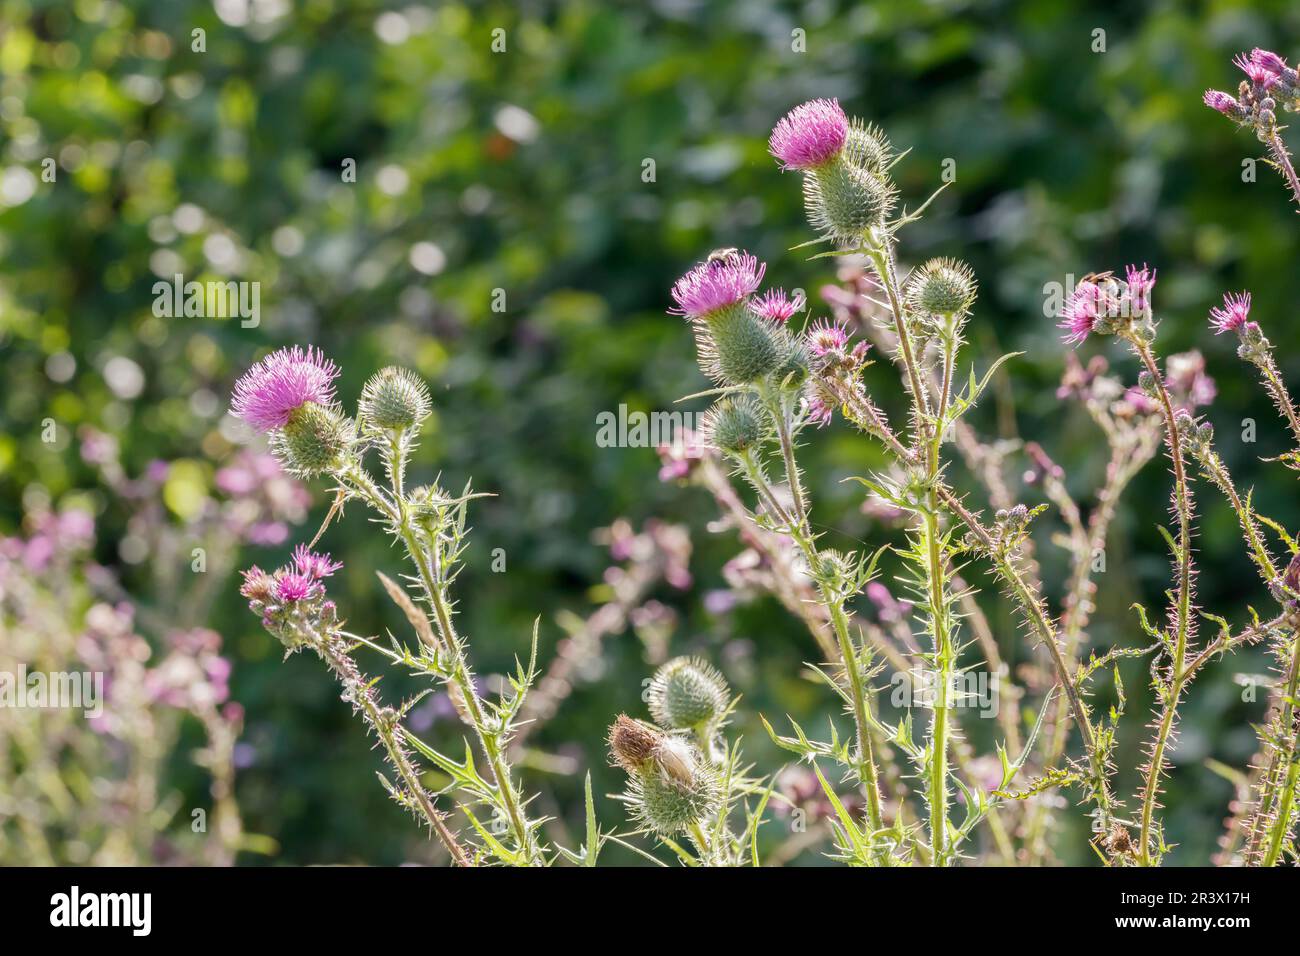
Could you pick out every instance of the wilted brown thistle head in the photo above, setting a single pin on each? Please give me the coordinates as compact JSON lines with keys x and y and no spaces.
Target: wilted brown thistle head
{"x":632,"y":744}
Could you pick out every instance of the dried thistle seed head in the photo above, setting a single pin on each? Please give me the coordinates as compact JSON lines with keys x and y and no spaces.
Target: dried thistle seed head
{"x":735,"y":424}
{"x":632,"y":745}
{"x":258,"y":587}
{"x":687,"y":692}
{"x":736,"y":346}
{"x":314,"y":440}
{"x":846,"y":202}
{"x":943,"y":287}
{"x":394,"y":399}
{"x":1119,"y":842}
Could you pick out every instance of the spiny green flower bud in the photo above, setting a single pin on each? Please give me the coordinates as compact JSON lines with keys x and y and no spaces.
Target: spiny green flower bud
{"x":837,"y":571}
{"x":314,"y":439}
{"x":668,"y":805}
{"x":845,"y":201}
{"x":737,"y":346}
{"x":670,"y":784}
{"x":792,"y":371}
{"x":686,"y":693}
{"x":943,"y":287}
{"x":393,"y":400}
{"x":735,"y":425}
{"x":868,"y":148}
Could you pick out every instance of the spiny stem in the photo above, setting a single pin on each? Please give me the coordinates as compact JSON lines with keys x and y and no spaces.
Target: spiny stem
{"x":433,"y":591}
{"x":1281,"y":397}
{"x":937,"y":777}
{"x":1220,"y":475}
{"x":839,"y":623}
{"x":1289,"y":767}
{"x":342,"y":665}
{"x":1182,"y":498}
{"x":1283,"y":160}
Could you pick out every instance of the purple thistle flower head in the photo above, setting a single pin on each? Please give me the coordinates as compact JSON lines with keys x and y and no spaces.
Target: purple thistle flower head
{"x":313,"y":565}
{"x":818,"y":410}
{"x":1256,"y":72}
{"x":293,"y":587}
{"x":775,"y":306}
{"x":1234,"y":314}
{"x":1140,"y":283}
{"x":1081,"y":312}
{"x":825,"y":337}
{"x":1225,"y":103}
{"x":270,"y":391}
{"x":723,"y":280}
{"x":810,"y":135}
{"x":1268,"y":61}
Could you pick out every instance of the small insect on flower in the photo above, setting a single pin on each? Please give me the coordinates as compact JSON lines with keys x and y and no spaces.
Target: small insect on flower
{"x":725,"y":279}
{"x":1234,"y":314}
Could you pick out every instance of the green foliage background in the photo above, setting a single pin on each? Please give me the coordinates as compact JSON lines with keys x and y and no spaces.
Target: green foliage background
{"x":1067,"y":160}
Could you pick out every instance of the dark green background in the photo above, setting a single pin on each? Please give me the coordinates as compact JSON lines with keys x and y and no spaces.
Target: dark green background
{"x":1067,"y":160}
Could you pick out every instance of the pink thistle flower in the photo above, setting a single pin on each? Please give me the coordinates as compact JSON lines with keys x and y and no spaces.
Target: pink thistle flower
{"x":817,"y":410}
{"x":1268,"y":60}
{"x":1234,"y":314}
{"x":825,"y":337}
{"x":718,"y":283}
{"x":293,"y":587}
{"x":313,"y":565}
{"x":270,"y":391}
{"x":1140,"y":283}
{"x":1082,"y":311}
{"x":1225,"y":103}
{"x":775,"y":306}
{"x":810,"y":134}
{"x":1256,"y":72}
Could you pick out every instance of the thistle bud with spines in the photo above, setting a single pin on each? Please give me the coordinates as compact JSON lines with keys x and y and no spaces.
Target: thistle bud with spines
{"x":670,"y":784}
{"x":942,"y":287}
{"x":394,"y":400}
{"x":735,"y":425}
{"x":315,"y":439}
{"x":688,"y":693}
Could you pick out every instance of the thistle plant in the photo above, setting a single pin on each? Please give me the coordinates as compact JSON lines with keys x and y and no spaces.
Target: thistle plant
{"x":1268,"y":84}
{"x":775,"y":377}
{"x":290,"y":396}
{"x":922,"y":793}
